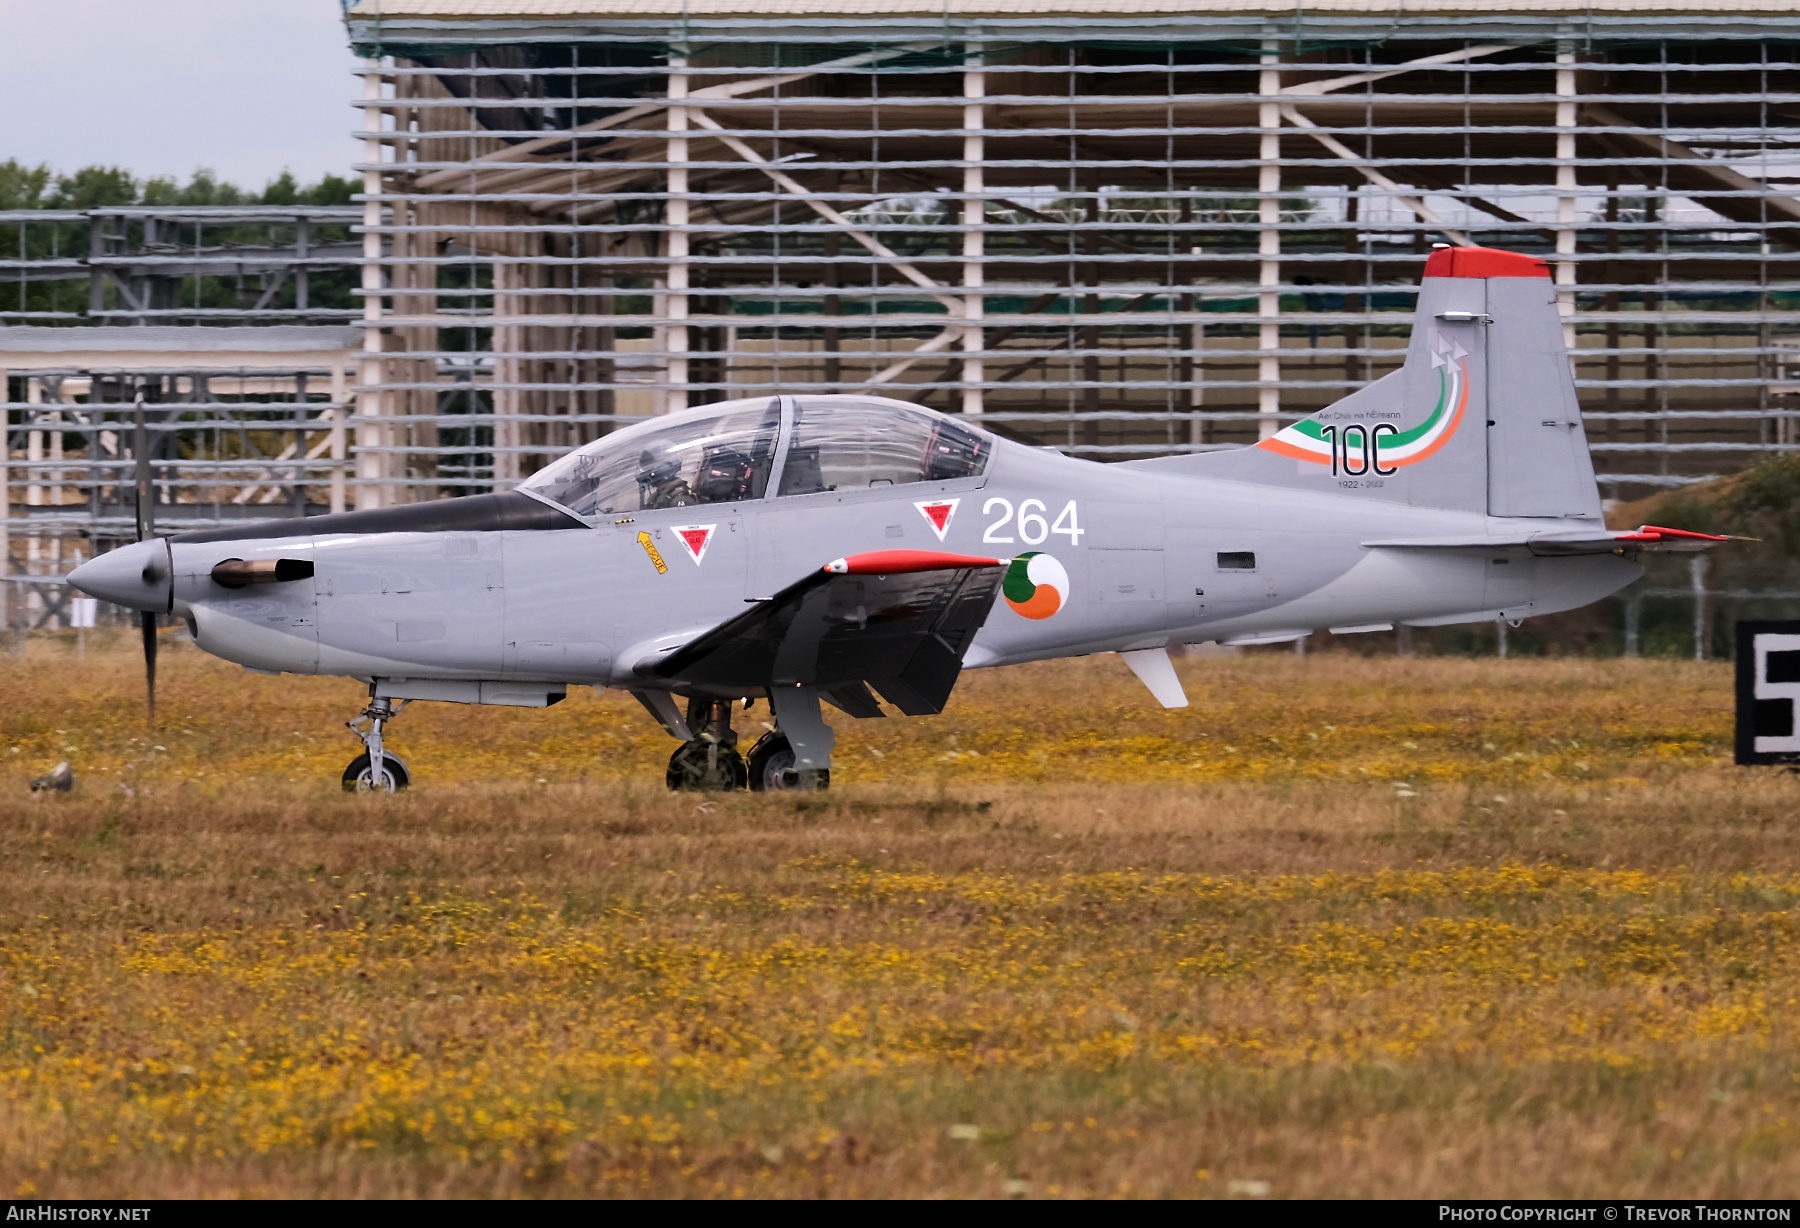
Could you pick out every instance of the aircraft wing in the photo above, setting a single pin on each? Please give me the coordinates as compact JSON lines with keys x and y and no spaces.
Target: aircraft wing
{"x":897,"y":620}
{"x":1649,"y":537}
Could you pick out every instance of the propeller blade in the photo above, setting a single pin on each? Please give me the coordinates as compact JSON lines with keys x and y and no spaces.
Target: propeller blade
{"x":149,"y":625}
{"x":146,"y":525}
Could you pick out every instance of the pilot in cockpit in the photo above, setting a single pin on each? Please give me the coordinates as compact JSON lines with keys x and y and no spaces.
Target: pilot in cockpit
{"x":726,"y":477}
{"x":660,"y":483}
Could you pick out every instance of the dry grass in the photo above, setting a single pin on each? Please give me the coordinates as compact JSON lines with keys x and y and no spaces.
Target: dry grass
{"x":1261,"y":717}
{"x":1054,"y":941}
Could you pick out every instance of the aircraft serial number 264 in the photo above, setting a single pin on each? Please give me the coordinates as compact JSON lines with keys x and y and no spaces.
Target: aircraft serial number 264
{"x":1032,"y":526}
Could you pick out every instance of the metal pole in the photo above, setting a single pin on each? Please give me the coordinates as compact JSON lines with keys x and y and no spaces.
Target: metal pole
{"x":1634,"y":613}
{"x":1565,"y":190}
{"x":144,"y":478}
{"x":339,"y":411}
{"x":675,"y":277}
{"x":1697,"y":568}
{"x":5,"y":497}
{"x":974,"y":222}
{"x":30,"y":599}
{"x":1268,"y":242}
{"x":369,"y":466}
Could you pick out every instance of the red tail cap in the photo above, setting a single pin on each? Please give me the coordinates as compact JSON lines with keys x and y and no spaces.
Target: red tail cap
{"x":1483,"y":262}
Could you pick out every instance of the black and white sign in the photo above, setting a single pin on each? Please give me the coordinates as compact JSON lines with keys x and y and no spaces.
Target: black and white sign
{"x":1768,"y":692}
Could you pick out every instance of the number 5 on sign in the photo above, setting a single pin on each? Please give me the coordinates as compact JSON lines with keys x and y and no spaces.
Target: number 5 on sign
{"x":1030,"y":523}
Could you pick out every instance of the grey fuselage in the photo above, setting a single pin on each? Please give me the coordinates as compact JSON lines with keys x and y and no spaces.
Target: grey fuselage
{"x":1141,"y":548}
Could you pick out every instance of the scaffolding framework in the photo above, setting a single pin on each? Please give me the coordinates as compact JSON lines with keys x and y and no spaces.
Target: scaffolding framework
{"x":1119,"y":238}
{"x":234,"y":328}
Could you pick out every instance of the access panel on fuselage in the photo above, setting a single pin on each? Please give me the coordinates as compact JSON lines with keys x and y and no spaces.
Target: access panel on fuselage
{"x":430,"y":601}
{"x":662,"y":569}
{"x":264,"y":626}
{"x":1126,"y":582}
{"x":561,"y":590}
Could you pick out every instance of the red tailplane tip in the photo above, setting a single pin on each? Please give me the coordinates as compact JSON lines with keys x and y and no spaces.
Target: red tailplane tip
{"x":1652,"y":533}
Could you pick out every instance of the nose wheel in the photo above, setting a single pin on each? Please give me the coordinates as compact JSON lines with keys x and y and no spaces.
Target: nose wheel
{"x":359,"y":777}
{"x":363,"y":775}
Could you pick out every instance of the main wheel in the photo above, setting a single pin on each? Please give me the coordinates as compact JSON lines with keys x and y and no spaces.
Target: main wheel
{"x":706,"y":767}
{"x":357,"y":775}
{"x":772,"y":767}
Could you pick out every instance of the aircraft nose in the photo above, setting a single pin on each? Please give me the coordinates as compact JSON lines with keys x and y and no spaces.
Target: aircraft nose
{"x":138,"y":577}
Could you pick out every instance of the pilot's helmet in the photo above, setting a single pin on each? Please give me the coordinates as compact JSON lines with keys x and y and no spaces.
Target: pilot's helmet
{"x":654,"y":470}
{"x":724,"y":477}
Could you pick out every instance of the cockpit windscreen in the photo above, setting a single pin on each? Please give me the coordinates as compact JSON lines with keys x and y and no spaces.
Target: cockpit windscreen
{"x":719,"y":457}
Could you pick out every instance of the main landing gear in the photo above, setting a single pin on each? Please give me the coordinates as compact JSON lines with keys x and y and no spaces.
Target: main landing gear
{"x":772,"y":767}
{"x":797,"y":755}
{"x":709,"y":761}
{"x":362,"y":776}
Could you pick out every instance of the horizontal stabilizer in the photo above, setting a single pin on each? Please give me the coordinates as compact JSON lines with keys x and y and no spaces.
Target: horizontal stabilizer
{"x":1649,"y":537}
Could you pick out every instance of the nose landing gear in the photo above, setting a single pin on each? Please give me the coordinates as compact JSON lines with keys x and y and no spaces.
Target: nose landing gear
{"x":709,"y":762}
{"x":363,"y":776}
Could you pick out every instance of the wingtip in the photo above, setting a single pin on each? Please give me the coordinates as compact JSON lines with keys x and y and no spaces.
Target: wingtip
{"x":900,"y":562}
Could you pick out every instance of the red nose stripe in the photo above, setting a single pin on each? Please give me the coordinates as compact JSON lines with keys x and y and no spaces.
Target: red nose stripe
{"x":898,"y":562}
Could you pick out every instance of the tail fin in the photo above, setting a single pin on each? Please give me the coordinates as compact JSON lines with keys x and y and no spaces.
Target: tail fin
{"x":1482,"y":417}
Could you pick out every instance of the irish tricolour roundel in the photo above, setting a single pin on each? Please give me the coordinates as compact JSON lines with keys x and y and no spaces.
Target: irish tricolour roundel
{"x":1036,"y":585}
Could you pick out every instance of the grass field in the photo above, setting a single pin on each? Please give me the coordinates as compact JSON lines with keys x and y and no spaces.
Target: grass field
{"x":1344,"y":927}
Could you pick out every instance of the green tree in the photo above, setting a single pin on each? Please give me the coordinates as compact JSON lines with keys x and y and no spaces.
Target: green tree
{"x":205,"y":189}
{"x":23,"y":187}
{"x":94,"y":187}
{"x":282,"y":190}
{"x":330,"y":190}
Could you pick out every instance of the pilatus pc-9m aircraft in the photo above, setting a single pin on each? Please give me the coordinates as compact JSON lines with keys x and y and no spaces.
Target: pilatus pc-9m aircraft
{"x":807,"y":549}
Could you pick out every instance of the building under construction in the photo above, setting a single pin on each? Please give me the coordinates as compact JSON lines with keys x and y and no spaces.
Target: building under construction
{"x":1119,"y":229}
{"x":1133,"y":230}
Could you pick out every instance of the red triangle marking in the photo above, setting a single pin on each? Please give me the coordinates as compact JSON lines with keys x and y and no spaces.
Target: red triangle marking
{"x":937,"y":513}
{"x":695,"y":539}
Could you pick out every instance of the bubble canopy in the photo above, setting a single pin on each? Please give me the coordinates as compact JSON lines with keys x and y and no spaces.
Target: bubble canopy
{"x":728,"y":452}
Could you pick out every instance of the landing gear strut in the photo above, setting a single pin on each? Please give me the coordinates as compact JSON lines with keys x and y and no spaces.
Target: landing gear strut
{"x":794,"y":755}
{"x":772,"y":767}
{"x":797,"y":754}
{"x":362,"y":776}
{"x":709,"y":761}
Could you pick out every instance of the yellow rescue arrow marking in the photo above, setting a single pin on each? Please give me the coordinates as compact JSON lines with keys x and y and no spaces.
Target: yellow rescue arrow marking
{"x":650,"y":549}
